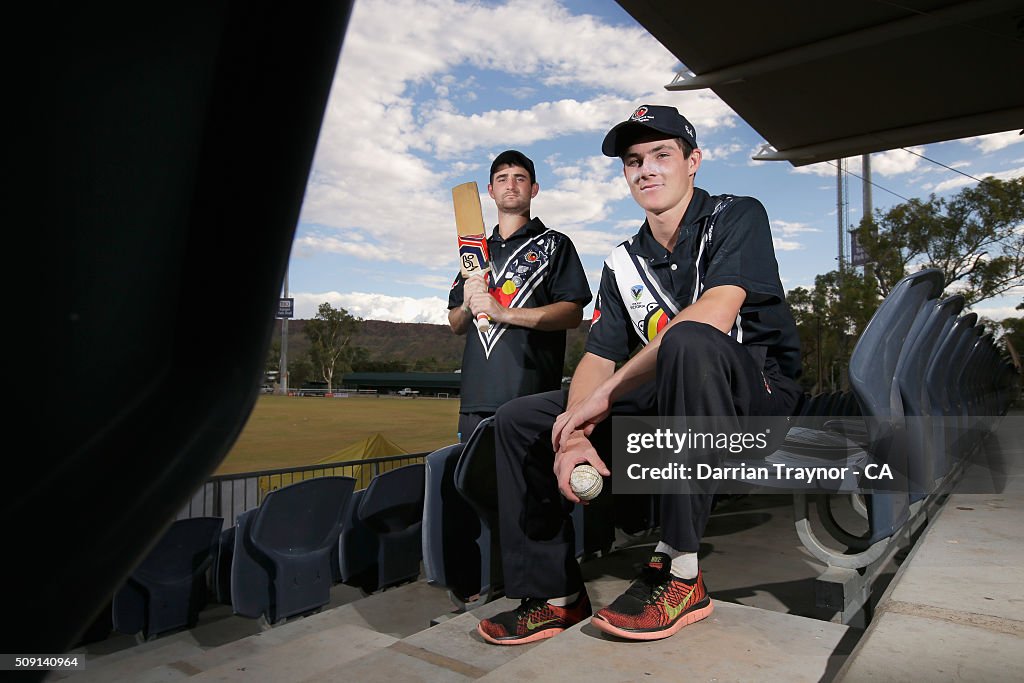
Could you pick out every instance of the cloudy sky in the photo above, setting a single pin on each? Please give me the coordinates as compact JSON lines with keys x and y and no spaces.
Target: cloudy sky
{"x":427,"y":92}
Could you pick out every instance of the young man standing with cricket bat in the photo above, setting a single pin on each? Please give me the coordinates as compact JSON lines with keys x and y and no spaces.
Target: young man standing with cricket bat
{"x":532,"y":292}
{"x":690,"y":321}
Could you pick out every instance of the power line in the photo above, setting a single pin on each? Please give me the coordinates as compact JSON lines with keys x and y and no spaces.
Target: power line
{"x":939,"y":163}
{"x":874,"y":184}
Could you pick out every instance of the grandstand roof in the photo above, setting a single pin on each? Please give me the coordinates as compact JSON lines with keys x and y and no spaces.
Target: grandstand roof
{"x":822,"y":80}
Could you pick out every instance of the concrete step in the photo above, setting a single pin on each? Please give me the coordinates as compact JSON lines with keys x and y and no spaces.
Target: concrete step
{"x":346,"y":630}
{"x":217,"y":626}
{"x":247,"y":652}
{"x":127,"y":665}
{"x":758,"y":526}
{"x":449,"y":651}
{"x":735,"y":643}
{"x":958,"y":602}
{"x":308,"y":656}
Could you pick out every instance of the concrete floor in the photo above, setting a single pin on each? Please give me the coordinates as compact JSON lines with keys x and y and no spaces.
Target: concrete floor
{"x":957,"y":604}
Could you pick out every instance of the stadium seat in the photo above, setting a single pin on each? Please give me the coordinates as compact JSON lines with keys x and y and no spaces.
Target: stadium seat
{"x":358,"y":549}
{"x":220,"y":573}
{"x":281,"y":565}
{"x":872,"y":375}
{"x":456,"y":543}
{"x":392,"y":508}
{"x":943,"y":395}
{"x":958,"y":419}
{"x":911,"y":378}
{"x":166,"y":591}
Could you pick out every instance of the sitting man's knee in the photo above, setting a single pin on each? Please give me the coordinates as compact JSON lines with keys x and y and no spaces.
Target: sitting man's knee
{"x":526,"y":407}
{"x":689,"y":336}
{"x":509,"y":409}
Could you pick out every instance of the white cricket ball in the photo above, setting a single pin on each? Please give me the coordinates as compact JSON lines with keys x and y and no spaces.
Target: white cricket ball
{"x":586,"y":482}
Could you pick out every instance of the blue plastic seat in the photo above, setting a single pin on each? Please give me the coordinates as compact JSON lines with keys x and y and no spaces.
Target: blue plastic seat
{"x":942,"y":396}
{"x":167,"y":590}
{"x":358,"y":549}
{"x":392,"y":507}
{"x":457,"y":545}
{"x":956,"y":389}
{"x":872,"y":375}
{"x":281,"y":565}
{"x":912,"y":379}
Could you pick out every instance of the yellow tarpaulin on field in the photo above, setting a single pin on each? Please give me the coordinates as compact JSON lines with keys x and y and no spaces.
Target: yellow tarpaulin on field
{"x":375,"y":446}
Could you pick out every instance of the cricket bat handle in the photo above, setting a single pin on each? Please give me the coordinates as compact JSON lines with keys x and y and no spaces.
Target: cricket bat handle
{"x":483,"y":323}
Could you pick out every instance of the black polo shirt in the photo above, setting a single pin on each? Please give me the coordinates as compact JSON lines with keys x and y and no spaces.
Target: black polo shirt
{"x":534,"y":267}
{"x":740,"y":252}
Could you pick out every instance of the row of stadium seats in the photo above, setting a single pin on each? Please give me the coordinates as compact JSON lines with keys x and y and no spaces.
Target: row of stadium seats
{"x":281,"y":559}
{"x":927,"y":386}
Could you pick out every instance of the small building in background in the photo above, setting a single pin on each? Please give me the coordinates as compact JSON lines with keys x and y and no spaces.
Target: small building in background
{"x":439,"y":384}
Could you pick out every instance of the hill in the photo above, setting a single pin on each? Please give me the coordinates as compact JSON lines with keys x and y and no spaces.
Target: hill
{"x":416,"y":345}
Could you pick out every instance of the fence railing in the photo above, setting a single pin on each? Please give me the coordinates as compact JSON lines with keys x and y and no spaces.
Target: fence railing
{"x":229,"y":495}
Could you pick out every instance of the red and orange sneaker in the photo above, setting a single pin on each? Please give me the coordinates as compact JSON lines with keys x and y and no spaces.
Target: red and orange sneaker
{"x":533,"y":620}
{"x":656,"y":605}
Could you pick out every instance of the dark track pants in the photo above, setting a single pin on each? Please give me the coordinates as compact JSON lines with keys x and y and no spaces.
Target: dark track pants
{"x":700,"y":372}
{"x":468,"y":422}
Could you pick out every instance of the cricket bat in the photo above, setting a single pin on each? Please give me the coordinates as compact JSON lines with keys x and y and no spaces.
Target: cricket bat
{"x":469,"y":222}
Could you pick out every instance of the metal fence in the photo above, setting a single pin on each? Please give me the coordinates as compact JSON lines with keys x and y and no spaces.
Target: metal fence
{"x":229,"y":495}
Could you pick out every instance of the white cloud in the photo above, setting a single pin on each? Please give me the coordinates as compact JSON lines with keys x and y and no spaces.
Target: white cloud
{"x":788,"y":228}
{"x":995,"y":141}
{"x":785,"y":229}
{"x":720,"y":152}
{"x":892,"y":162}
{"x":786,"y":245}
{"x":824,"y":169}
{"x":889,"y":163}
{"x":994,"y":312}
{"x":961,"y":181}
{"x":405,"y":309}
{"x":886,"y":164}
{"x":401,"y":126}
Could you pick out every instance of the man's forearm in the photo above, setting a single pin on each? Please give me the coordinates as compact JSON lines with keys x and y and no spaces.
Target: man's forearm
{"x":718,"y":308}
{"x":459,"y":320}
{"x":561,"y":315}
{"x":591,"y":373}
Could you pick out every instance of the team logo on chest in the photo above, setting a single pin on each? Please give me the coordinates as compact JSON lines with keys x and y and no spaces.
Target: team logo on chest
{"x":520,"y":276}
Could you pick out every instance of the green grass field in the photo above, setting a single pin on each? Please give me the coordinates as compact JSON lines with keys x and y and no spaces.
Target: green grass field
{"x":291,"y":431}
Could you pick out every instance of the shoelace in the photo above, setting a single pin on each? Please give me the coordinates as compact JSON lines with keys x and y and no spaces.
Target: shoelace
{"x":649,"y":585}
{"x":528,"y":605}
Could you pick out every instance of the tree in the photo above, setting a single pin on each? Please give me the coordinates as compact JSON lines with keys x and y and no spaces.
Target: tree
{"x":829,"y":319}
{"x":1012,"y":335}
{"x":975,"y":238}
{"x":573,"y":356}
{"x":330,"y":335}
{"x":300,"y":370}
{"x":272,"y":365}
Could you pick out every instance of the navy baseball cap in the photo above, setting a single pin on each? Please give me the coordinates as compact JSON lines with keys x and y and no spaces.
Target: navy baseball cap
{"x":515,"y":158}
{"x":654,"y":117}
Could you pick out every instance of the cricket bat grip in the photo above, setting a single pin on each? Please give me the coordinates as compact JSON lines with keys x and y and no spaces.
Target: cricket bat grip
{"x":483,"y":323}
